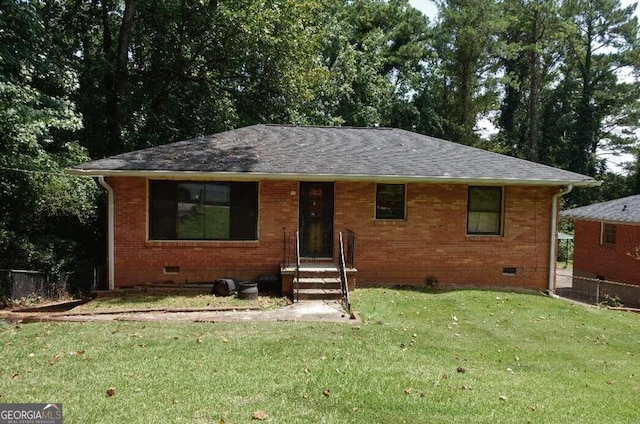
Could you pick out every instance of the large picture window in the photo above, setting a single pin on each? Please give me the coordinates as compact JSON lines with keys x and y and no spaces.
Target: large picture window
{"x":484,"y":211}
{"x":194,"y":210}
{"x":390,"y":201}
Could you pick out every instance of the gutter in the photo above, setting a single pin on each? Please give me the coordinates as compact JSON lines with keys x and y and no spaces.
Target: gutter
{"x":553,"y":244}
{"x":110,"y":233}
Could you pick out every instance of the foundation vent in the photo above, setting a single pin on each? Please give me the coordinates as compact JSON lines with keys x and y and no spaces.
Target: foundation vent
{"x":509,"y":271}
{"x":172,"y":269}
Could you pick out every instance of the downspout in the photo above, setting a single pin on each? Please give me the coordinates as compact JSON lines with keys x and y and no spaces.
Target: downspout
{"x":554,"y":237}
{"x":110,"y":233}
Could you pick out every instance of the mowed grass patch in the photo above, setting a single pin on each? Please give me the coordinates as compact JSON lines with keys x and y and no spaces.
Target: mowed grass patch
{"x":525,"y":358}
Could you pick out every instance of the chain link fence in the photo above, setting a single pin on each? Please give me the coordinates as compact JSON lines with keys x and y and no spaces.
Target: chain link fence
{"x":24,"y":284}
{"x":597,"y":291}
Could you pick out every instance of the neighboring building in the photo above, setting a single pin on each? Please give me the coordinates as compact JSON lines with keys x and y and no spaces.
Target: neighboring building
{"x":607,"y":240}
{"x":421,"y":208}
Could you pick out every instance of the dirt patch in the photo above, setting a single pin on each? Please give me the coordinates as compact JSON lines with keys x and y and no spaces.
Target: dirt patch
{"x":328,"y":311}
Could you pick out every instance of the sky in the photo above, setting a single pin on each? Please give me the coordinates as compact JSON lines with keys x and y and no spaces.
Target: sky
{"x":429,"y":8}
{"x":425,"y":6}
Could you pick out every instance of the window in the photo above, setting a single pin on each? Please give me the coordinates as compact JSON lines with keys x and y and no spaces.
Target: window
{"x":390,"y":201}
{"x":608,"y":234}
{"x":484,"y":211}
{"x":194,"y":210}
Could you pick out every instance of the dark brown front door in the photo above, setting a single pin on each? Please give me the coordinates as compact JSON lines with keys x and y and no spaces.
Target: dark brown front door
{"x":316,"y":220}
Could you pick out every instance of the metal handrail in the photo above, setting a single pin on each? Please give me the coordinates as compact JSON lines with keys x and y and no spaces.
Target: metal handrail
{"x":350,"y":250}
{"x":297,"y":295}
{"x":344,"y":283}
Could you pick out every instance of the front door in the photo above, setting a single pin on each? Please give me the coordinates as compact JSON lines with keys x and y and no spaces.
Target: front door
{"x":316,"y":220}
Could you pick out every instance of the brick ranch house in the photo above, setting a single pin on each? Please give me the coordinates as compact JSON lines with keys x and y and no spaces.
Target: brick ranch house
{"x":419,"y":208}
{"x":607,"y":240}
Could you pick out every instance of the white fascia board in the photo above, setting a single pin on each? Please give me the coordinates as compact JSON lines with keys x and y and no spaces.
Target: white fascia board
{"x":253,"y":176}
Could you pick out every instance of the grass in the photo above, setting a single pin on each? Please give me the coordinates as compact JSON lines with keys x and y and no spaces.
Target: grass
{"x":527,"y":358}
{"x":565,"y":264}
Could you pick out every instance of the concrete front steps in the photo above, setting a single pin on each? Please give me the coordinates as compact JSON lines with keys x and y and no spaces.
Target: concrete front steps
{"x":316,"y":281}
{"x":317,"y":287}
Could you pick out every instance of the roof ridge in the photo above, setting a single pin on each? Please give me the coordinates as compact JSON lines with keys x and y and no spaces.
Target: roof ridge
{"x":334,"y":127}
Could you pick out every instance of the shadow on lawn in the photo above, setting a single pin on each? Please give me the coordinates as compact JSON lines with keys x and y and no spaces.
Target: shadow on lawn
{"x":435,"y":290}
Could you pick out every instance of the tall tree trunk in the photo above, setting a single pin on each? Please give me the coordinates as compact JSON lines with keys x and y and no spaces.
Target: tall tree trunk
{"x":123,"y":46}
{"x":116,"y":80}
{"x":533,"y":132}
{"x":586,"y":123}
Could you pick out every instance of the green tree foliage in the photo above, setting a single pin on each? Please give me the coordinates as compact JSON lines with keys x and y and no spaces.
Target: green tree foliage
{"x":529,"y":63}
{"x":43,"y":212}
{"x":602,"y":39}
{"x":570,"y":86}
{"x":465,"y":48}
{"x":155,"y":72}
{"x":558,"y":78}
{"x":372,"y":57}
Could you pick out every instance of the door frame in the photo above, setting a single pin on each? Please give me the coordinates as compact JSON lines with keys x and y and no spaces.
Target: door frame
{"x":327,"y":221}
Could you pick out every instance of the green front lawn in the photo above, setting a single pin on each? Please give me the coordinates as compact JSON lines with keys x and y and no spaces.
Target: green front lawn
{"x":525,"y":358}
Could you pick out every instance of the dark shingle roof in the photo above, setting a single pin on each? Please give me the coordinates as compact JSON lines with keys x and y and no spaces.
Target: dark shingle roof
{"x":625,"y":210}
{"x":337,"y":152}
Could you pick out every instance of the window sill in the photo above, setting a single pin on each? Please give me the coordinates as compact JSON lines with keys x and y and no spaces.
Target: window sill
{"x":400,"y":222}
{"x":484,"y":237}
{"x":203,"y":243}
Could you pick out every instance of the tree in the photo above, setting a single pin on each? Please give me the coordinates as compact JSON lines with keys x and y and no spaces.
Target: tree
{"x":155,"y":72}
{"x":39,"y":204}
{"x":529,"y":60}
{"x":466,"y":52}
{"x":372,"y":57}
{"x":601,"y":39}
{"x":570,"y":86}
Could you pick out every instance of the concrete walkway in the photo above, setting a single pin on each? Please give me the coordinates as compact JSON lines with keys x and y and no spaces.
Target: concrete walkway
{"x":564,"y":277}
{"x":311,"y":310}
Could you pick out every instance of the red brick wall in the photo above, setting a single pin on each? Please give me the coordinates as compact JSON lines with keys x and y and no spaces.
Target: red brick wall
{"x":611,"y":262}
{"x":140,"y":261}
{"x":431,"y":242}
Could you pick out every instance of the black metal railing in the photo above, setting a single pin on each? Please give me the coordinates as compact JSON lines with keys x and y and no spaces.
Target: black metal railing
{"x":346,"y":248}
{"x":292,"y":257}
{"x":344,"y":282}
{"x":290,"y":241}
{"x":350,"y":247}
{"x":297,"y":280}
